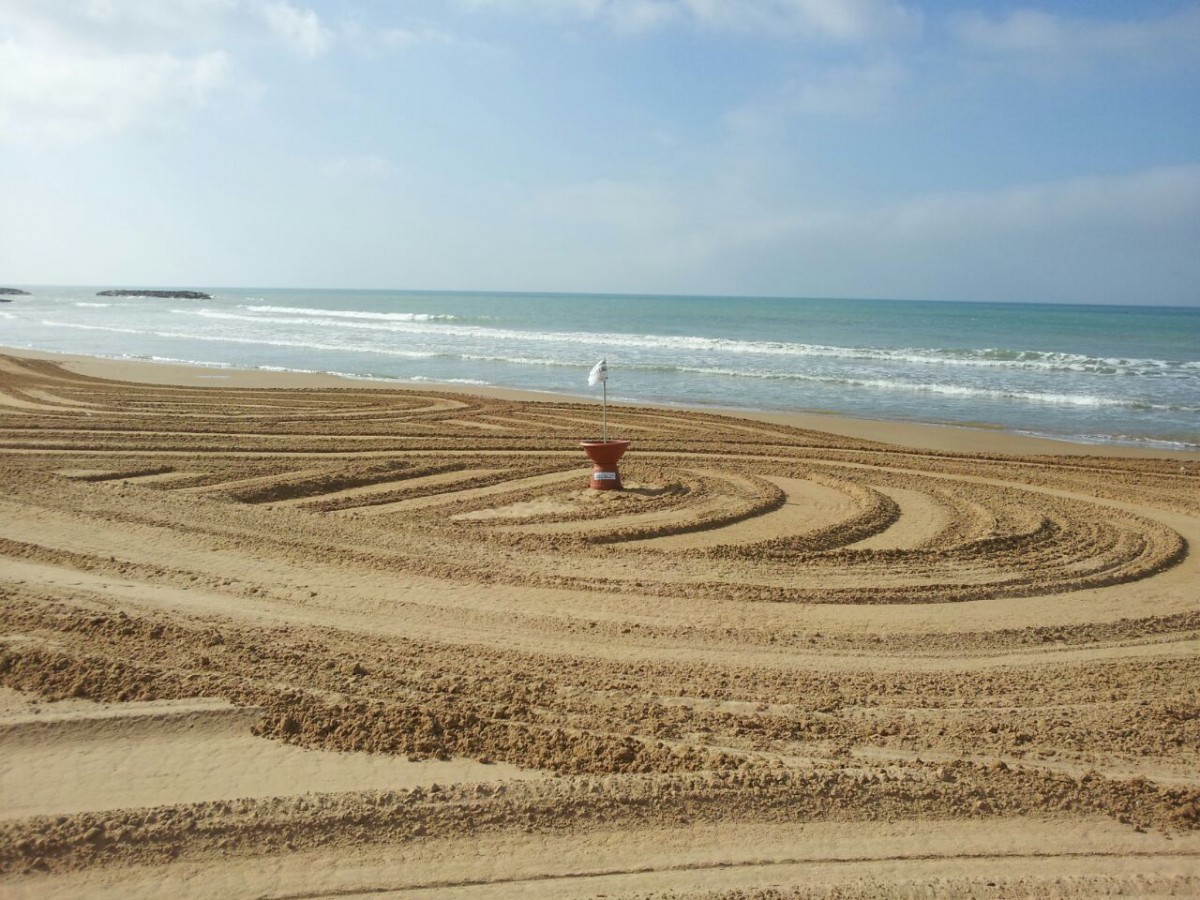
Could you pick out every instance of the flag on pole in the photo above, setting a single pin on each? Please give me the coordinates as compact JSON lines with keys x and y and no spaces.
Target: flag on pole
{"x":598,"y":374}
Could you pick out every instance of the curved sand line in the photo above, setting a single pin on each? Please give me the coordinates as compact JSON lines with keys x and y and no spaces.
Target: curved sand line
{"x":780,"y":638}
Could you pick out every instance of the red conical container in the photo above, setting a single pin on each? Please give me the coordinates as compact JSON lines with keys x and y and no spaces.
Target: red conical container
{"x":604,"y":456}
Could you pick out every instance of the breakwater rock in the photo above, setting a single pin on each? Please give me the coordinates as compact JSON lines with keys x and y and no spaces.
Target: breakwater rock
{"x":166,"y":295}
{"x":12,"y":292}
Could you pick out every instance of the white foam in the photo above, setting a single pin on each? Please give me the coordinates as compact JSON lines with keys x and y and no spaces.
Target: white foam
{"x":350,"y":314}
{"x":528,"y":361}
{"x":960,"y":390}
{"x":1127,"y":439}
{"x":471,"y":381}
{"x":260,"y":342}
{"x":183,"y":362}
{"x":423,"y":324}
{"x":889,"y":384}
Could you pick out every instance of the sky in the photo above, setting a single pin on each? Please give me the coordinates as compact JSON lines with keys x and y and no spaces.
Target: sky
{"x":1046,"y":152}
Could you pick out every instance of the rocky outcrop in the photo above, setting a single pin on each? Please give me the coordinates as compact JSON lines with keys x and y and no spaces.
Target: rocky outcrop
{"x":12,"y":292}
{"x":166,"y":295}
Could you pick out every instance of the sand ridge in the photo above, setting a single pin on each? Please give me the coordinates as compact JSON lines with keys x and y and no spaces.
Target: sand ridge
{"x":947,"y":637}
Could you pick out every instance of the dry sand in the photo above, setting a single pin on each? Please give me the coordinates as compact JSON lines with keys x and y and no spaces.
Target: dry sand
{"x":292,"y":636}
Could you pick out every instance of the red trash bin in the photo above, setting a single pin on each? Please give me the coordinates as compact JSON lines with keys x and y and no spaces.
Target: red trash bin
{"x":604,"y":456}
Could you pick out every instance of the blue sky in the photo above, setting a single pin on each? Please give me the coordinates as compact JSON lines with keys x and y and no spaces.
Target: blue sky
{"x":860,"y":148}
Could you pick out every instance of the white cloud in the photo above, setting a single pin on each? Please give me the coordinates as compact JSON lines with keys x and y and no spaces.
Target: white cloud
{"x":403,"y":38}
{"x":846,"y":20}
{"x":1158,"y":198}
{"x":1104,"y":238}
{"x":164,"y":15}
{"x":1153,"y":196}
{"x":116,"y":23}
{"x":81,"y":69}
{"x":79,"y":93}
{"x":1107,"y":239}
{"x":857,"y":90}
{"x":843,"y":20}
{"x":301,"y":29}
{"x":628,"y":208}
{"x":848,"y":90}
{"x":1032,"y":34}
{"x":623,"y":15}
{"x":371,"y":39}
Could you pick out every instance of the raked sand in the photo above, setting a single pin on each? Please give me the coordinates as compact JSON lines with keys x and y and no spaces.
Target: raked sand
{"x":281,"y":635}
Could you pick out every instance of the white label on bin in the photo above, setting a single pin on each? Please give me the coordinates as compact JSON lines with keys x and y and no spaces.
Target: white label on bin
{"x":604,"y":476}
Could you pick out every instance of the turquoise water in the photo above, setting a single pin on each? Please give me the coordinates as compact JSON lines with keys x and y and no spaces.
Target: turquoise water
{"x":1085,"y":373}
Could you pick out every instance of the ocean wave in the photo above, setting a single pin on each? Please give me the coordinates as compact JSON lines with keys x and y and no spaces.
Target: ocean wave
{"x":1043,"y":397}
{"x":95,"y":305}
{"x":888,"y":384}
{"x":544,"y":361}
{"x":352,"y":314}
{"x":953,"y":390}
{"x":877,"y":384}
{"x":1131,"y":440}
{"x":351,"y":376}
{"x":987,"y":358}
{"x":474,"y":382}
{"x":209,"y":364}
{"x":261,"y":342}
{"x":180,"y":362}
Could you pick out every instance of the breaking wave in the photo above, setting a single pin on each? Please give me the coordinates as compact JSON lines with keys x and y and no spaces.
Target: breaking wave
{"x":986,"y":358}
{"x":351,"y":314}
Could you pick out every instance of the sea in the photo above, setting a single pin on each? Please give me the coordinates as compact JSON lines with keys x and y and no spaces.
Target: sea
{"x":1125,"y":375}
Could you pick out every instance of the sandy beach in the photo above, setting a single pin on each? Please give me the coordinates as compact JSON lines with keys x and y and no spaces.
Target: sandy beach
{"x":283,"y":635}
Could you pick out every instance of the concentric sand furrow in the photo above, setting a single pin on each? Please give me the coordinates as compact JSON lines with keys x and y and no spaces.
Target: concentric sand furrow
{"x":771,"y":632}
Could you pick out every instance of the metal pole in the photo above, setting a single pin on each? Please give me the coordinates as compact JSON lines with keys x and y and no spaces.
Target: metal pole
{"x":605,"y":408}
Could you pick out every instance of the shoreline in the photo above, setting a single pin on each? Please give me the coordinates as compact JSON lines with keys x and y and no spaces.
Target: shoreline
{"x":952,"y":438}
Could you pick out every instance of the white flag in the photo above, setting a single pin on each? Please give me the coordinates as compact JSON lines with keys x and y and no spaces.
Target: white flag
{"x":599,"y":373}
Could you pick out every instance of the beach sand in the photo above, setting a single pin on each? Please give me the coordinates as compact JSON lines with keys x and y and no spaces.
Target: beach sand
{"x":284,"y":635}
